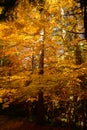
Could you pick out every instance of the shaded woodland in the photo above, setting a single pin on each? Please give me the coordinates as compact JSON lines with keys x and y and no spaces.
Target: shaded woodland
{"x":43,"y":62}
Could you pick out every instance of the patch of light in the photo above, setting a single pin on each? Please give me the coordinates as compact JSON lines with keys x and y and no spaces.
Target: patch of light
{"x":62,"y":11}
{"x":81,"y":43}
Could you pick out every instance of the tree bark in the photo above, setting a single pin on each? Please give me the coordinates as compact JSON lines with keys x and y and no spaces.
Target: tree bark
{"x":78,"y":55}
{"x":41,"y":58}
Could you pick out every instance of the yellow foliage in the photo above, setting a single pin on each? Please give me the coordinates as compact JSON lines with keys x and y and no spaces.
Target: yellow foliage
{"x":22,"y":40}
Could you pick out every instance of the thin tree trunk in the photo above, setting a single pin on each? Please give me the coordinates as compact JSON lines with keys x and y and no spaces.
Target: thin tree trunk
{"x":33,"y":64}
{"x":85,"y":18}
{"x":78,"y":55}
{"x":41,"y":58}
{"x":41,"y":114}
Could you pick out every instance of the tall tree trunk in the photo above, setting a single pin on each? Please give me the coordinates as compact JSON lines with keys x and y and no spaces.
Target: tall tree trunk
{"x":41,"y":114}
{"x":41,"y":58}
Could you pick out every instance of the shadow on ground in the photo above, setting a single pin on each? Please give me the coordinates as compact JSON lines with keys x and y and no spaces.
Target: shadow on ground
{"x":7,"y":123}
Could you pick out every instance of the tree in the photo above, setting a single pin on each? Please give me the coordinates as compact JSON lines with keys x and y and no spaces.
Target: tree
{"x":45,"y":48}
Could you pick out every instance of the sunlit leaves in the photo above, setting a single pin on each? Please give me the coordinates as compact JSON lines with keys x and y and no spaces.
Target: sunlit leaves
{"x":21,"y":44}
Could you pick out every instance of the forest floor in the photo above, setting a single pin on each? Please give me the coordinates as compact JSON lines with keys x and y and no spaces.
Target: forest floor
{"x":7,"y":123}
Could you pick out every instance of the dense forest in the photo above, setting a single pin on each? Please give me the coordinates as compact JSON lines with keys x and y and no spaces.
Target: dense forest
{"x":43,"y":62}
